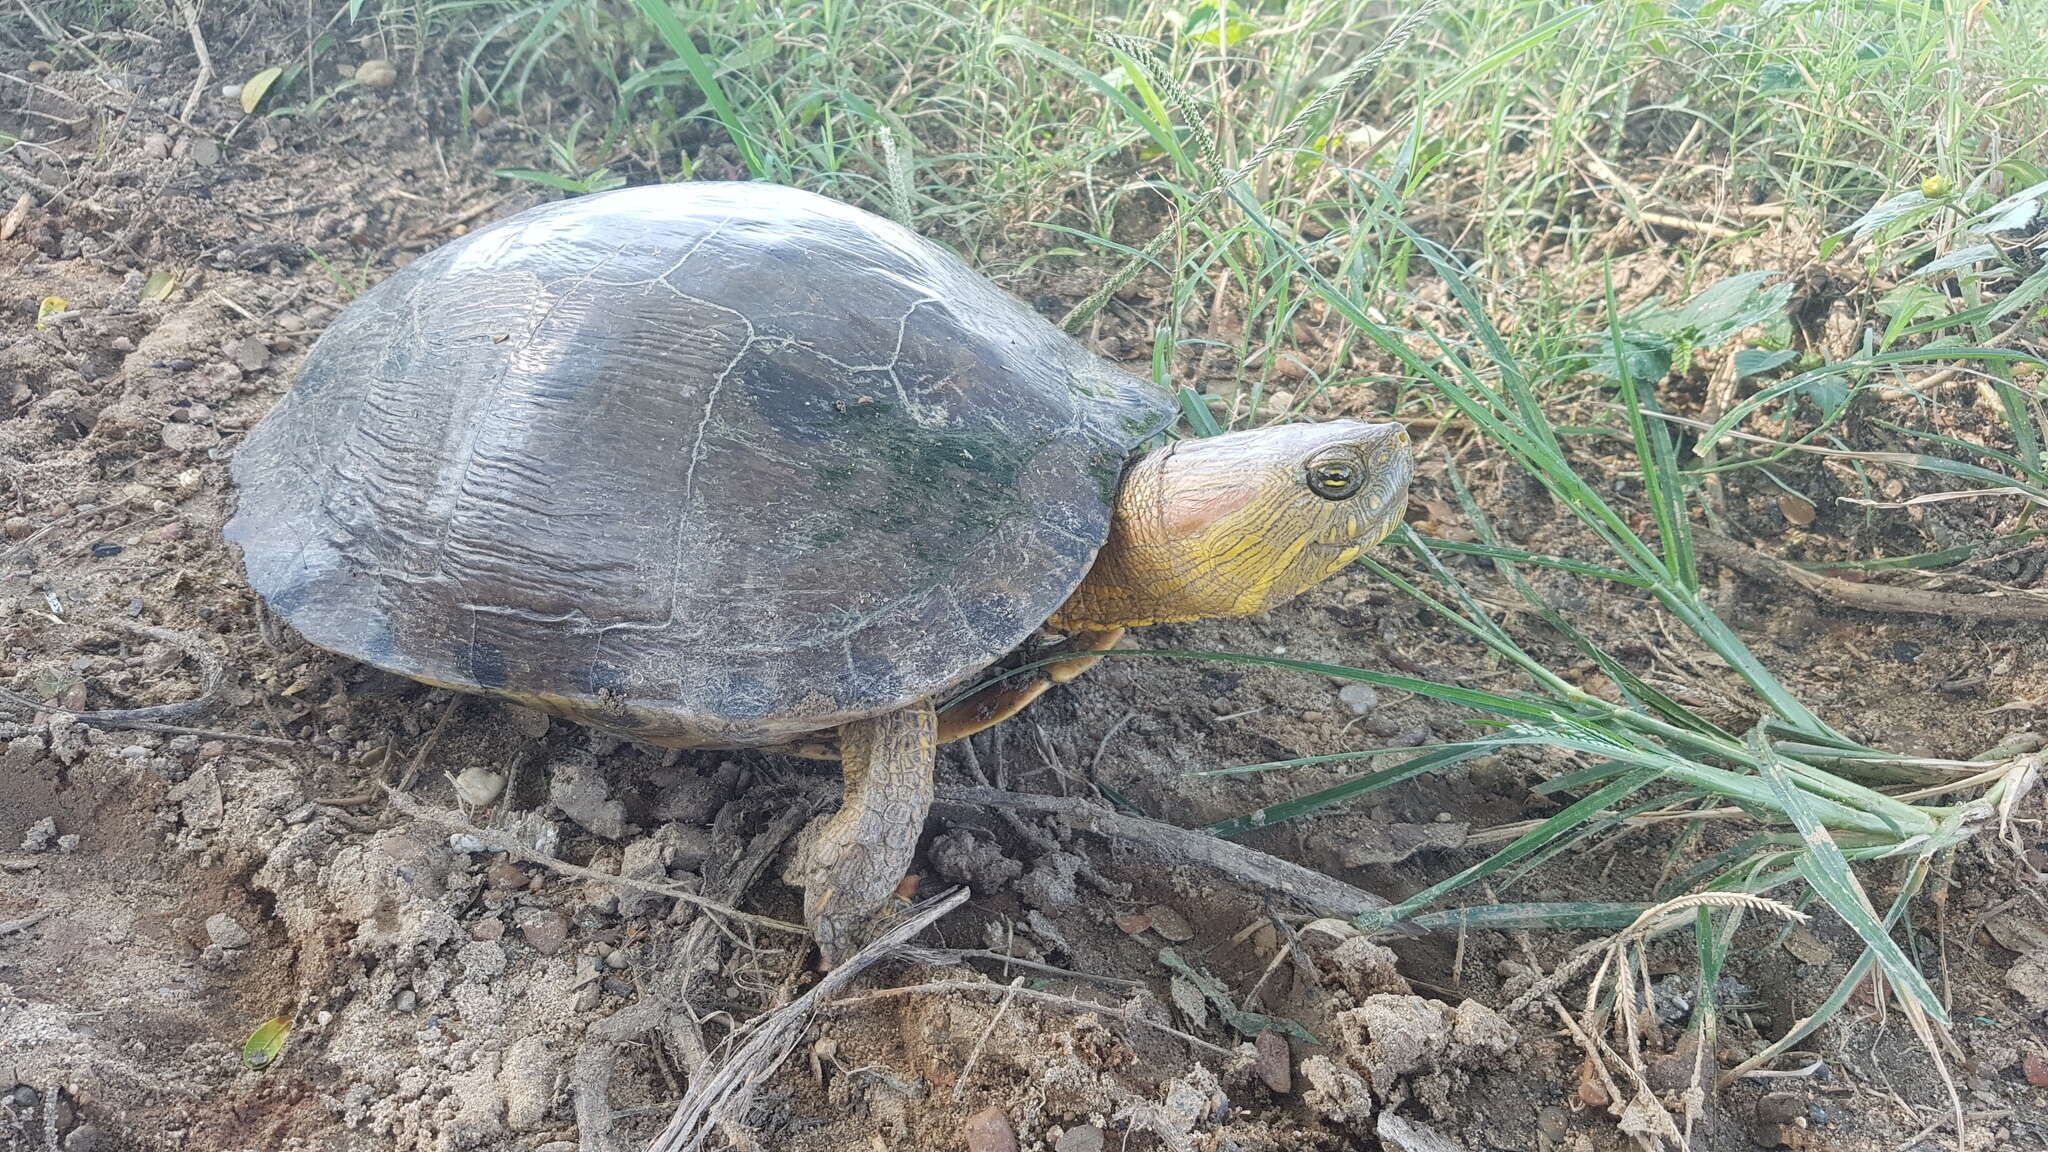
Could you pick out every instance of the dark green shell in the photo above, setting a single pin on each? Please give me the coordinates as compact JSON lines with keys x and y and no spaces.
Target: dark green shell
{"x":713,"y":463}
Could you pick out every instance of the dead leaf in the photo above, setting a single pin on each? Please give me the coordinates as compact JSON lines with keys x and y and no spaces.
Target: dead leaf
{"x":1189,"y":1000}
{"x":1169,"y":924}
{"x":1806,"y":947}
{"x":258,"y":86}
{"x":2018,"y":933}
{"x":1797,"y":510}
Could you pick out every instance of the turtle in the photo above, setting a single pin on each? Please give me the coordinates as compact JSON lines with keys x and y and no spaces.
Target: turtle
{"x":733,"y":464}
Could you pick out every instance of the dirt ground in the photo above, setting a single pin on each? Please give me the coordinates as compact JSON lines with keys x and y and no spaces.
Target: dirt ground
{"x":163,"y":892}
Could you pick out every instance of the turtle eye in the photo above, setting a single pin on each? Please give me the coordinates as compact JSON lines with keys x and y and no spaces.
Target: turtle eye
{"x":1333,"y":480}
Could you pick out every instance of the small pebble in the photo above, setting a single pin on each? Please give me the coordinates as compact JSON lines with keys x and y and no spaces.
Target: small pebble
{"x":989,"y":1131}
{"x":231,"y":91}
{"x":546,"y":933}
{"x":1080,"y":1138}
{"x":1779,"y":1120}
{"x":67,"y":843}
{"x":405,"y":1001}
{"x":41,"y":835}
{"x":505,"y":876}
{"x":615,"y":959}
{"x":250,"y":353}
{"x":467,"y":844}
{"x":2035,"y":1066}
{"x":1275,"y":1063}
{"x":1780,"y":1108}
{"x":225,"y":931}
{"x":1554,"y":1123}
{"x":181,"y":437}
{"x":477,"y":786}
{"x":39,"y":67}
{"x":1358,"y":699}
{"x":205,"y":153}
{"x":377,"y":73}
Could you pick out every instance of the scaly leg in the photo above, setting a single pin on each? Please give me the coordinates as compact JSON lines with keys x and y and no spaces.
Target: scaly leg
{"x":850,"y":868}
{"x":1000,"y":701}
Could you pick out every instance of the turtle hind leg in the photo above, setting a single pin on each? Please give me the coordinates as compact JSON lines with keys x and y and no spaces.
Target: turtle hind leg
{"x":1005,"y":698}
{"x":850,"y":864}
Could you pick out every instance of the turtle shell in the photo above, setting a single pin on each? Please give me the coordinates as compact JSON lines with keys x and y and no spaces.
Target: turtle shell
{"x":707,"y":463}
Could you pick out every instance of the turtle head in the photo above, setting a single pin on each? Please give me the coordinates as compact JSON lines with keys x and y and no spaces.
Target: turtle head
{"x":1235,"y":524}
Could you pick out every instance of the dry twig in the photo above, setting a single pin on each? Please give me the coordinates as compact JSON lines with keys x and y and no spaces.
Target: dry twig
{"x":725,"y":1092}
{"x":1325,"y":894}
{"x":1869,"y":597}
{"x":211,"y":670}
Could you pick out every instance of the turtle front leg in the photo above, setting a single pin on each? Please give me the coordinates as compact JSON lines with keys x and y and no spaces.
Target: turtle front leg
{"x":851,"y":866}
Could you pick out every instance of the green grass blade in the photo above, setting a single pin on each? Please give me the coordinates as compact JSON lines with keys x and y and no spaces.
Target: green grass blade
{"x":1825,"y":868}
{"x":1509,"y":917}
{"x":672,"y":32}
{"x":1371,"y":781}
{"x":1663,"y":483}
{"x":1540,"y":559}
{"x":1565,"y":823}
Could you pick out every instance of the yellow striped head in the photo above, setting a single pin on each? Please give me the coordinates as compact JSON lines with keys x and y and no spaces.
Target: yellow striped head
{"x":1235,"y":524}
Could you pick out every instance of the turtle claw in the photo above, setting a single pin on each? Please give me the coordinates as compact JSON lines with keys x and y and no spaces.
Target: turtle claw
{"x":852,"y":868}
{"x":843,"y":926}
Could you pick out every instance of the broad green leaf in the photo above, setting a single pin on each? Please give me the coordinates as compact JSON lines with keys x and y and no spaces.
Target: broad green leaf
{"x":1757,"y":361}
{"x":256,"y":87}
{"x":1779,"y":77}
{"x":1960,"y":258}
{"x":2031,"y":292}
{"x":1904,"y":206}
{"x":2012,"y":213}
{"x":261,"y":1050}
{"x":1720,"y":310}
{"x":1195,"y":409}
